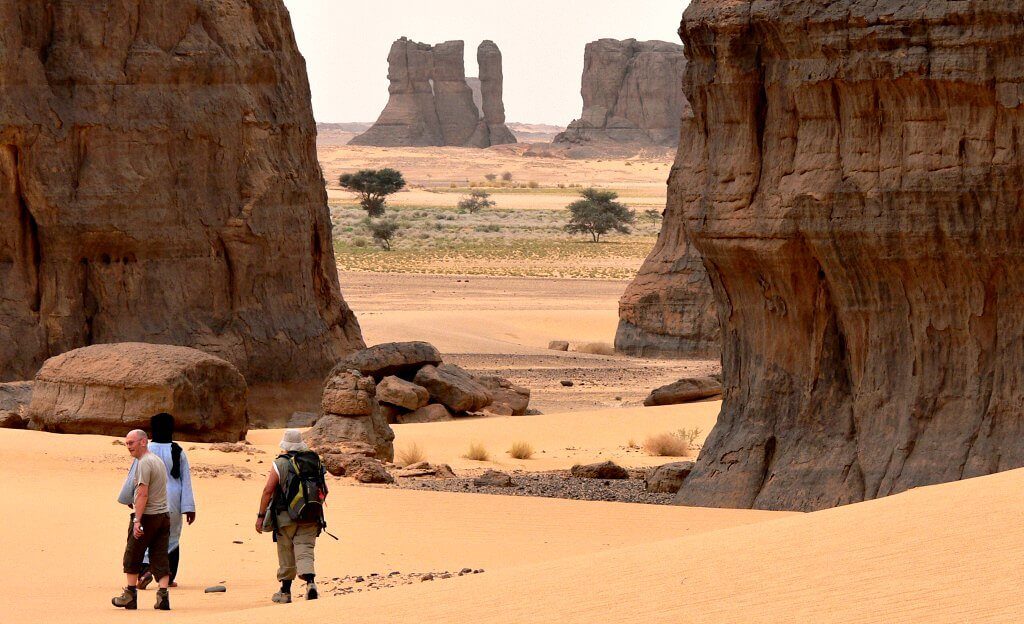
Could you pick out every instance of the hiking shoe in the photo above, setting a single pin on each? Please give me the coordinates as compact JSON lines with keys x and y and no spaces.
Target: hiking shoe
{"x":163,"y":600}
{"x":145,"y":580}
{"x":129,"y":599}
{"x":282,"y":597}
{"x":311,"y":591}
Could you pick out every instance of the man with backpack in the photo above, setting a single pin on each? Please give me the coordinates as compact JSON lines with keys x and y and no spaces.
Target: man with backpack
{"x":292,"y":507}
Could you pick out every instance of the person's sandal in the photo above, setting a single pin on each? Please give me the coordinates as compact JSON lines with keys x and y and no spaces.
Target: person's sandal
{"x":144,"y":580}
{"x":282,"y":597}
{"x":163,"y":600}
{"x":129,"y":599}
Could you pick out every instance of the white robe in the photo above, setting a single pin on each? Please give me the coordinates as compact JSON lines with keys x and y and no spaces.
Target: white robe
{"x":179,"y":491}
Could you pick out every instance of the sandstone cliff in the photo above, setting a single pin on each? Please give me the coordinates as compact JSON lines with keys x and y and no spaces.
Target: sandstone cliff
{"x":854,"y":184}
{"x":432,"y":103}
{"x":631,"y":93}
{"x":159,"y":183}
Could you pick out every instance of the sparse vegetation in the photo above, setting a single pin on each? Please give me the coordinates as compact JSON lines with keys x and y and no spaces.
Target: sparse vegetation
{"x":598,"y":213}
{"x":476,"y":201}
{"x":521,"y":450}
{"x":477,"y":452}
{"x":383,"y":231}
{"x":689,"y":435}
{"x":532,"y":184}
{"x":373,"y":187}
{"x":596,"y":348}
{"x":411,"y":454}
{"x":654,"y":216}
{"x":491,"y":177}
{"x":667,"y":445}
{"x":507,"y":176}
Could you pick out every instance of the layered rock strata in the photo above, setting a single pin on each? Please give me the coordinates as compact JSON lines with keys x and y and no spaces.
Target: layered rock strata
{"x":110,"y":389}
{"x":631,"y":93}
{"x":159,"y":183}
{"x":854,"y":184}
{"x":431,"y":102}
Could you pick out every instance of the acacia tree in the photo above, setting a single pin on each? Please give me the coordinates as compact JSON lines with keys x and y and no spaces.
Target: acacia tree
{"x":373,"y":186}
{"x":598,"y":213}
{"x":476,"y":201}
{"x":383,"y":231}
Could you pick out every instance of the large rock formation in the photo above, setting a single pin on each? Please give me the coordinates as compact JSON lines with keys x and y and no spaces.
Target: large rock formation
{"x":432,"y":103}
{"x":668,"y":310}
{"x":631,"y":93}
{"x":110,"y":389}
{"x":854,"y":180}
{"x":159,"y":183}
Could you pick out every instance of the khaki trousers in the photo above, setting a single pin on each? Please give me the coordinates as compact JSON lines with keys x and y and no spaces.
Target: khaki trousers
{"x":295,"y":544}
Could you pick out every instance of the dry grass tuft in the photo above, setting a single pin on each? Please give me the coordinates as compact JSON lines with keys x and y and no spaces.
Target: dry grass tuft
{"x":409,"y":455}
{"x":596,"y":348}
{"x":477,"y":452}
{"x":667,"y":445}
{"x":521,"y":450}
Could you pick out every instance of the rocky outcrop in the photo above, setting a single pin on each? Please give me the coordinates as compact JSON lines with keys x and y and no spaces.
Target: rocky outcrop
{"x":352,"y":423}
{"x":390,"y":358}
{"x":402,"y":393}
{"x":159,"y":183}
{"x":432,"y":103}
{"x":631,"y":93}
{"x":453,"y":387}
{"x":853,"y":181}
{"x":685,"y":390}
{"x":667,"y":478}
{"x":14,"y":401}
{"x":110,"y":389}
{"x":668,"y":310}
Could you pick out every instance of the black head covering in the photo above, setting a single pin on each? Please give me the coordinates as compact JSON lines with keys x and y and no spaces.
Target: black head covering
{"x":162,"y":429}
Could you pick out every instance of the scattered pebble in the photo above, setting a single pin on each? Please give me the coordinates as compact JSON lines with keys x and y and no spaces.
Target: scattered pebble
{"x":567,"y":383}
{"x":552,"y":484}
{"x":216,"y":589}
{"x":237,"y":542}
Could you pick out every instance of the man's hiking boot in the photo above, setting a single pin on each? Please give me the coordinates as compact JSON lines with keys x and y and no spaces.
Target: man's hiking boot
{"x":163,"y":600}
{"x":129,"y":599}
{"x":311,"y":591}
{"x":282,"y":597}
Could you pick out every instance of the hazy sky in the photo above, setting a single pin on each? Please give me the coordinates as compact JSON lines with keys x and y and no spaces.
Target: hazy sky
{"x":346,"y":45}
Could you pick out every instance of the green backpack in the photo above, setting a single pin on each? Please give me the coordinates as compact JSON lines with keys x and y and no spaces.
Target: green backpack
{"x":303,"y":489}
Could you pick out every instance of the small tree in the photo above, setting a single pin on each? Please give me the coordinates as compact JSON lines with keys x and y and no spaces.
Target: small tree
{"x":476,"y":201}
{"x":373,"y":186}
{"x":653,"y":215}
{"x":507,"y":176}
{"x":383,"y":231}
{"x":491,"y":177}
{"x":598,"y":213}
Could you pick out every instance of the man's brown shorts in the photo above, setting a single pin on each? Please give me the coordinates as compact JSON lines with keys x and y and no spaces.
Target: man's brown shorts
{"x":156,"y":532}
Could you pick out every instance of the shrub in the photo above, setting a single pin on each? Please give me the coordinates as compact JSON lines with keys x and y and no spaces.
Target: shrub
{"x":359,"y":241}
{"x":383,"y":231}
{"x":666,"y":445}
{"x":373,"y":186}
{"x":491,"y":177}
{"x":409,"y":455}
{"x":533,"y":184}
{"x":596,"y":348}
{"x":521,"y":450}
{"x":653,"y":215}
{"x":598,"y":213}
{"x":689,"y":435}
{"x":476,"y":201}
{"x":507,"y":176}
{"x":477,"y":452}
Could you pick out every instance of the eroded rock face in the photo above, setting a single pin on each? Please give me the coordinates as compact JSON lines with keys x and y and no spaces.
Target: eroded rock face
{"x":854,"y":184}
{"x":631,"y":93}
{"x":431,"y":102}
{"x":159,"y":183}
{"x":110,"y":389}
{"x":668,"y":310}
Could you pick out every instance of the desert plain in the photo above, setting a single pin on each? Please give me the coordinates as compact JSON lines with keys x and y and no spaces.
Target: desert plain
{"x":946,"y":553}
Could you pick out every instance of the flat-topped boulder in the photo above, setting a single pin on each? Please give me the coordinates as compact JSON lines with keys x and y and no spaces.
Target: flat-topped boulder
{"x":402,"y":359}
{"x":110,"y":389}
{"x":685,"y":391}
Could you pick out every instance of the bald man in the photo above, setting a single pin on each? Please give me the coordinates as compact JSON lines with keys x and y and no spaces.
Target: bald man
{"x":151,"y":524}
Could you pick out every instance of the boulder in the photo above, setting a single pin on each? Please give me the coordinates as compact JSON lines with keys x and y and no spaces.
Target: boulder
{"x":348,"y":393}
{"x":559,"y":345}
{"x":435,"y":412}
{"x":402,"y":393}
{"x":504,"y":392}
{"x":493,"y":478}
{"x":454,"y":387}
{"x":14,"y":400}
{"x":497,"y":409}
{"x":110,"y":389}
{"x":668,"y":478}
{"x":390,"y":358}
{"x":390,"y":413}
{"x":854,"y":186}
{"x":431,"y":102}
{"x":685,"y":391}
{"x":159,"y":184}
{"x":630,"y":94}
{"x":357,"y":466}
{"x":302,"y":420}
{"x":603,"y":470}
